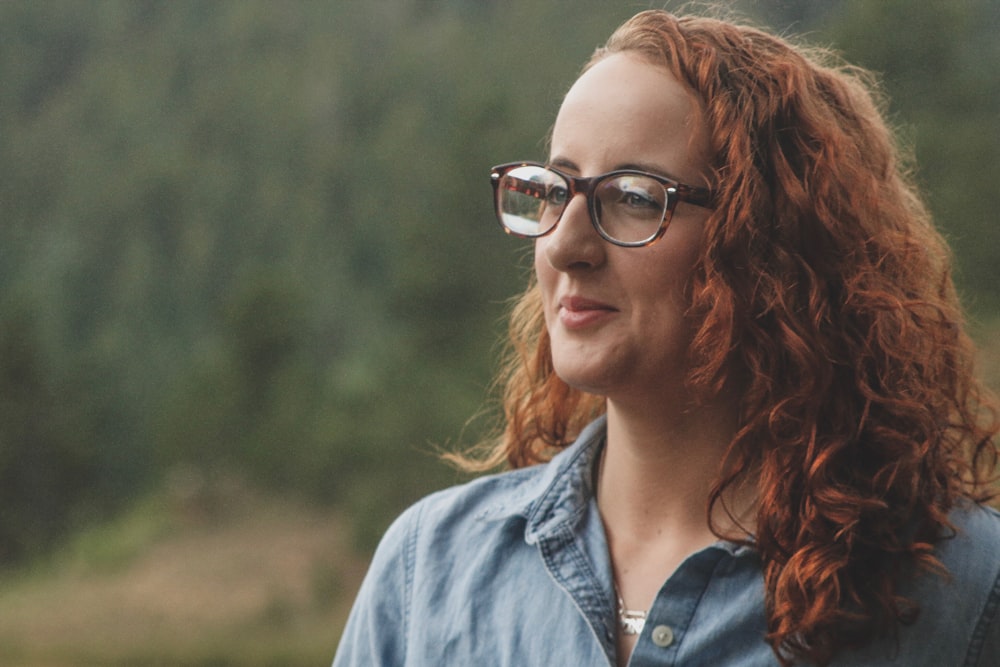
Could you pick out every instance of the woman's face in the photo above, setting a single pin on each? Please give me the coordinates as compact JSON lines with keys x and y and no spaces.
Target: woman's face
{"x":616,"y":316}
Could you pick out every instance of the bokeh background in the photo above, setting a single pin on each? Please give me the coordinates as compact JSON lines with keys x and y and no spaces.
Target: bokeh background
{"x":250,"y":284}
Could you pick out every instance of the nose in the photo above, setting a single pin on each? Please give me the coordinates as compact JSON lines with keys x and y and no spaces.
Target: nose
{"x":574,"y":244}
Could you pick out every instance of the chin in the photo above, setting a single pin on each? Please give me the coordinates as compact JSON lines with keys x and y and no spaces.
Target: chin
{"x":589,"y":380}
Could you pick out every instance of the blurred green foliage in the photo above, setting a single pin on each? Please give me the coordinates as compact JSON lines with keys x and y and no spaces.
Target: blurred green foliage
{"x":257,"y":237}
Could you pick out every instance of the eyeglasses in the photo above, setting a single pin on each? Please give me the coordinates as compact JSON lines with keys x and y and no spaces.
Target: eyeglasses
{"x":627,"y":207}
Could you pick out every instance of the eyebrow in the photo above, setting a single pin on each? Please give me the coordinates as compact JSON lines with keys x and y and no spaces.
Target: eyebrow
{"x":566,"y":163}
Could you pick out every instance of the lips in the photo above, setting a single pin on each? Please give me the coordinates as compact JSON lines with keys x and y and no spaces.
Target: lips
{"x":577,"y":312}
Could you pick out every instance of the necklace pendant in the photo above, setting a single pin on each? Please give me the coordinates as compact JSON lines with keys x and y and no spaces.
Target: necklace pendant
{"x":632,"y":622}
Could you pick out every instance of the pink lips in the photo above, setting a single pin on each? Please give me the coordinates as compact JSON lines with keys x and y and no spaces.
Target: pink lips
{"x":577,"y":312}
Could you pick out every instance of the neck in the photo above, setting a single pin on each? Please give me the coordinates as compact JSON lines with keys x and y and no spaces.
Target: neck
{"x":660,"y":465}
{"x":653,"y":488}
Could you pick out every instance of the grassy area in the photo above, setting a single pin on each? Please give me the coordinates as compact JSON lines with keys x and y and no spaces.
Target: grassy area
{"x":250,"y":581}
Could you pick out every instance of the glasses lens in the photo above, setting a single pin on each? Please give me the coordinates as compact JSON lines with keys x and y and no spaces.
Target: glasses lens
{"x":530,"y":199}
{"x":630,"y":207}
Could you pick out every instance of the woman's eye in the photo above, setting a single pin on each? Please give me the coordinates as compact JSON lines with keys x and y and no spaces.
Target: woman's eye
{"x":557,"y":195}
{"x":638,"y":199}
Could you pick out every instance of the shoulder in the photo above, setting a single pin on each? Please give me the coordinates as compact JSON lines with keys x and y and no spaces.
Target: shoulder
{"x":959,"y":610}
{"x":420,"y":556}
{"x":506,"y":493}
{"x":962,"y":608}
{"x":972,"y":554}
{"x":977,"y":523}
{"x":454,"y":516}
{"x":973,"y":561}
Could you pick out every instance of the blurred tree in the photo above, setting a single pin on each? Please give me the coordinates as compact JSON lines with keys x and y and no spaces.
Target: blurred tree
{"x":938,"y":61}
{"x":41,"y":469}
{"x":256,"y":240}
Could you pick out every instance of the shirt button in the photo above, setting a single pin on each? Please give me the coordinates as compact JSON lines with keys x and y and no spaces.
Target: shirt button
{"x":663,"y":636}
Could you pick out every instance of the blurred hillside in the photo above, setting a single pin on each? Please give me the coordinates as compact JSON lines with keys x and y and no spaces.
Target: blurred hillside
{"x":243,"y":237}
{"x":256,"y":582}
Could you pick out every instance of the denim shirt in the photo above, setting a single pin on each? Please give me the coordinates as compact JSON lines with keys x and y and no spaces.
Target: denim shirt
{"x":513,"y":570}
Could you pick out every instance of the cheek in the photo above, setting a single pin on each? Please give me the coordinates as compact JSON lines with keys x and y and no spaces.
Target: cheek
{"x":680,"y":255}
{"x":665,"y":283}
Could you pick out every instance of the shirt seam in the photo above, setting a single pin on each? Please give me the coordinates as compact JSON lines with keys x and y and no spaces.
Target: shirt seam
{"x":987,"y":619}
{"x":410,"y":566}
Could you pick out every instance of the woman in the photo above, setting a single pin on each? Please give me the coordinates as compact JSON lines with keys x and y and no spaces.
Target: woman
{"x":741,"y":371}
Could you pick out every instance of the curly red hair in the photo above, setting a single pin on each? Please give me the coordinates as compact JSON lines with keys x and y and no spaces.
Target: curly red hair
{"x":824,"y":290}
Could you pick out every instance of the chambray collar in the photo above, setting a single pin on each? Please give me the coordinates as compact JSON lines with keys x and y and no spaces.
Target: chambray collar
{"x":554,"y":493}
{"x":557,"y":496}
{"x":567,"y":485}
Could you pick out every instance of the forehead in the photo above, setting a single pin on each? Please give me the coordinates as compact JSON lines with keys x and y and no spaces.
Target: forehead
{"x":624,"y":110}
